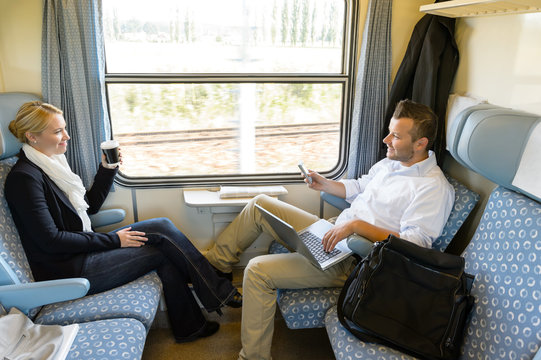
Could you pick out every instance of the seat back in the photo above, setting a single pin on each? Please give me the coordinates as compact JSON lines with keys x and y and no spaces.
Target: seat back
{"x":505,"y":251}
{"x":465,"y":201}
{"x":14,"y":267}
{"x":505,"y":257}
{"x":9,"y":105}
{"x":501,"y":144}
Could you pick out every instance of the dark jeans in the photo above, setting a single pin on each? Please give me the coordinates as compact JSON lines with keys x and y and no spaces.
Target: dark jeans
{"x":177,"y":262}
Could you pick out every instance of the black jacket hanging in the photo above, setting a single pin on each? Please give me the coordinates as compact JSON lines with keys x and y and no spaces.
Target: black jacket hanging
{"x":427,"y":72}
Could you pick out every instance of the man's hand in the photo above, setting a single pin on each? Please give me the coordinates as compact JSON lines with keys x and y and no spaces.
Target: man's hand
{"x":321,"y":183}
{"x":360,"y":227}
{"x":318,"y":181}
{"x":335,"y":235}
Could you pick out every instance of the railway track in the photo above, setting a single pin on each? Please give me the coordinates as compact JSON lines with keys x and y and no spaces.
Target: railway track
{"x":178,"y":136}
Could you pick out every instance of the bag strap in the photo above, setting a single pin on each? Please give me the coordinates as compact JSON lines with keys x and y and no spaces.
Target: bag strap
{"x":351,"y":277}
{"x":342,"y":295}
{"x":357,"y":332}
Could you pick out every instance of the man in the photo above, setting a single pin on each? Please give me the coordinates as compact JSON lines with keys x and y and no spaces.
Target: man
{"x":405,"y":194}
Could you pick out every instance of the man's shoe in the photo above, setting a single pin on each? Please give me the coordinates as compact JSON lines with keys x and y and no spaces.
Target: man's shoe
{"x":210,"y":328}
{"x":235,"y":301}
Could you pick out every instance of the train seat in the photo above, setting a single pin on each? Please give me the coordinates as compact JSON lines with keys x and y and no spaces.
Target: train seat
{"x":122,"y":338}
{"x":504,"y":253}
{"x":62,"y":302}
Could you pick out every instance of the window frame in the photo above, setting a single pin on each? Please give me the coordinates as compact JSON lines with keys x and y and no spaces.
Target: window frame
{"x":347,"y":78}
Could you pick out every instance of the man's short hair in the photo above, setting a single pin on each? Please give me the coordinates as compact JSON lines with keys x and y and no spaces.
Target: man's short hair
{"x":425,"y":122}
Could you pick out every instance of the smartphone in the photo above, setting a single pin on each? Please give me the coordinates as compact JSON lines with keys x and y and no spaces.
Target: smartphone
{"x":305,"y":172}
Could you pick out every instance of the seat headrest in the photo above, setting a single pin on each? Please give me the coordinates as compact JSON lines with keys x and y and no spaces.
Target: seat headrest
{"x":9,"y":105}
{"x":499,"y":144}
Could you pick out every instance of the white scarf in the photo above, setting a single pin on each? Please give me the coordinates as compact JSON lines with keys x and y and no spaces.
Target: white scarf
{"x":58,"y":169}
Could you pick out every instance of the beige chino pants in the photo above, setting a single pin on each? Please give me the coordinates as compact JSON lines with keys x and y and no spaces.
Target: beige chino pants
{"x":264,"y":274}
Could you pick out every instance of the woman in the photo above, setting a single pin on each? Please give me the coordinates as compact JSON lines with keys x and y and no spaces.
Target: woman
{"x":50,"y":208}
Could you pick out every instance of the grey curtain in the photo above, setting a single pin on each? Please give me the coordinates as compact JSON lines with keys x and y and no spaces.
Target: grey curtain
{"x":371,"y":90}
{"x":73,"y":77}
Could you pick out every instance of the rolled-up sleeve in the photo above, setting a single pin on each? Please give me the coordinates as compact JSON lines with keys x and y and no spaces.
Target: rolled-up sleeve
{"x":353,"y":188}
{"x":356,"y":186}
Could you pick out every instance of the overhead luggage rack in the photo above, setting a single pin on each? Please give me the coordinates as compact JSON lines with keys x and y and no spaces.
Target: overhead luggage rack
{"x":471,"y":8}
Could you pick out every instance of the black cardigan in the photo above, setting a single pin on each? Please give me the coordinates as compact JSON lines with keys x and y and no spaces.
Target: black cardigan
{"x":51,"y":231}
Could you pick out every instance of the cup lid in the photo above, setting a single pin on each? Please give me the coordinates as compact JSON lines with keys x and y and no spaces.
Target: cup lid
{"x":109,"y":144}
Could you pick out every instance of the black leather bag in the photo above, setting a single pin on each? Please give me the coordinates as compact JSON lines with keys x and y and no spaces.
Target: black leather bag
{"x":410,"y":298}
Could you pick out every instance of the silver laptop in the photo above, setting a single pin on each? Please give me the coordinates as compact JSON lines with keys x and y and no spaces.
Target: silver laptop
{"x":308,"y":241}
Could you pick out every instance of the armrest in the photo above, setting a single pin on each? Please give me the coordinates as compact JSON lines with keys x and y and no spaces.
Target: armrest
{"x":335,"y":201}
{"x":30,"y":295}
{"x":107,"y":217}
{"x":7,"y":275}
{"x":359,"y":245}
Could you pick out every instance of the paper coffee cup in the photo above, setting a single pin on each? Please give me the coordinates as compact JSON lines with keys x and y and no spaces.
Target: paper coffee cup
{"x":110,"y":149}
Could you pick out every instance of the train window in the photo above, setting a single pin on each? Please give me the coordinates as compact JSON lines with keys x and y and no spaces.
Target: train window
{"x":237,"y":88}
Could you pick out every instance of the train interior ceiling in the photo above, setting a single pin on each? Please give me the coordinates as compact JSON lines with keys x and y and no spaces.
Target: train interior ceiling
{"x":498,"y":64}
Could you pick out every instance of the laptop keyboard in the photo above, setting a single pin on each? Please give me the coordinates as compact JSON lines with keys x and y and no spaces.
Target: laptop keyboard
{"x":316,"y":247}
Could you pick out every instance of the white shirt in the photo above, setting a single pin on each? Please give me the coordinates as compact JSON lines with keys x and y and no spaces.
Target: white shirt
{"x":413,"y":201}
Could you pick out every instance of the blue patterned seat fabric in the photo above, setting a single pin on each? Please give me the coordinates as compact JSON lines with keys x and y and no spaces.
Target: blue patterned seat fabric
{"x":504,"y":255}
{"x":138,"y":299}
{"x":109,"y":339}
{"x":347,"y":346}
{"x":306,"y":308}
{"x":11,"y":248}
{"x":465,"y":201}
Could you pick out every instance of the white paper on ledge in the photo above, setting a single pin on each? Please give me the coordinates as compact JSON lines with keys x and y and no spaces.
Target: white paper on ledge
{"x":228,"y":192}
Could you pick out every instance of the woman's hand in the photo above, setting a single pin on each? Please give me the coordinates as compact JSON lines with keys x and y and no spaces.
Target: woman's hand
{"x":110,"y":166}
{"x":129,"y":238}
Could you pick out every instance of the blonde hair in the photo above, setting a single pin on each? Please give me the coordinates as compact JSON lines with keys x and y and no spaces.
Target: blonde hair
{"x":32,"y":117}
